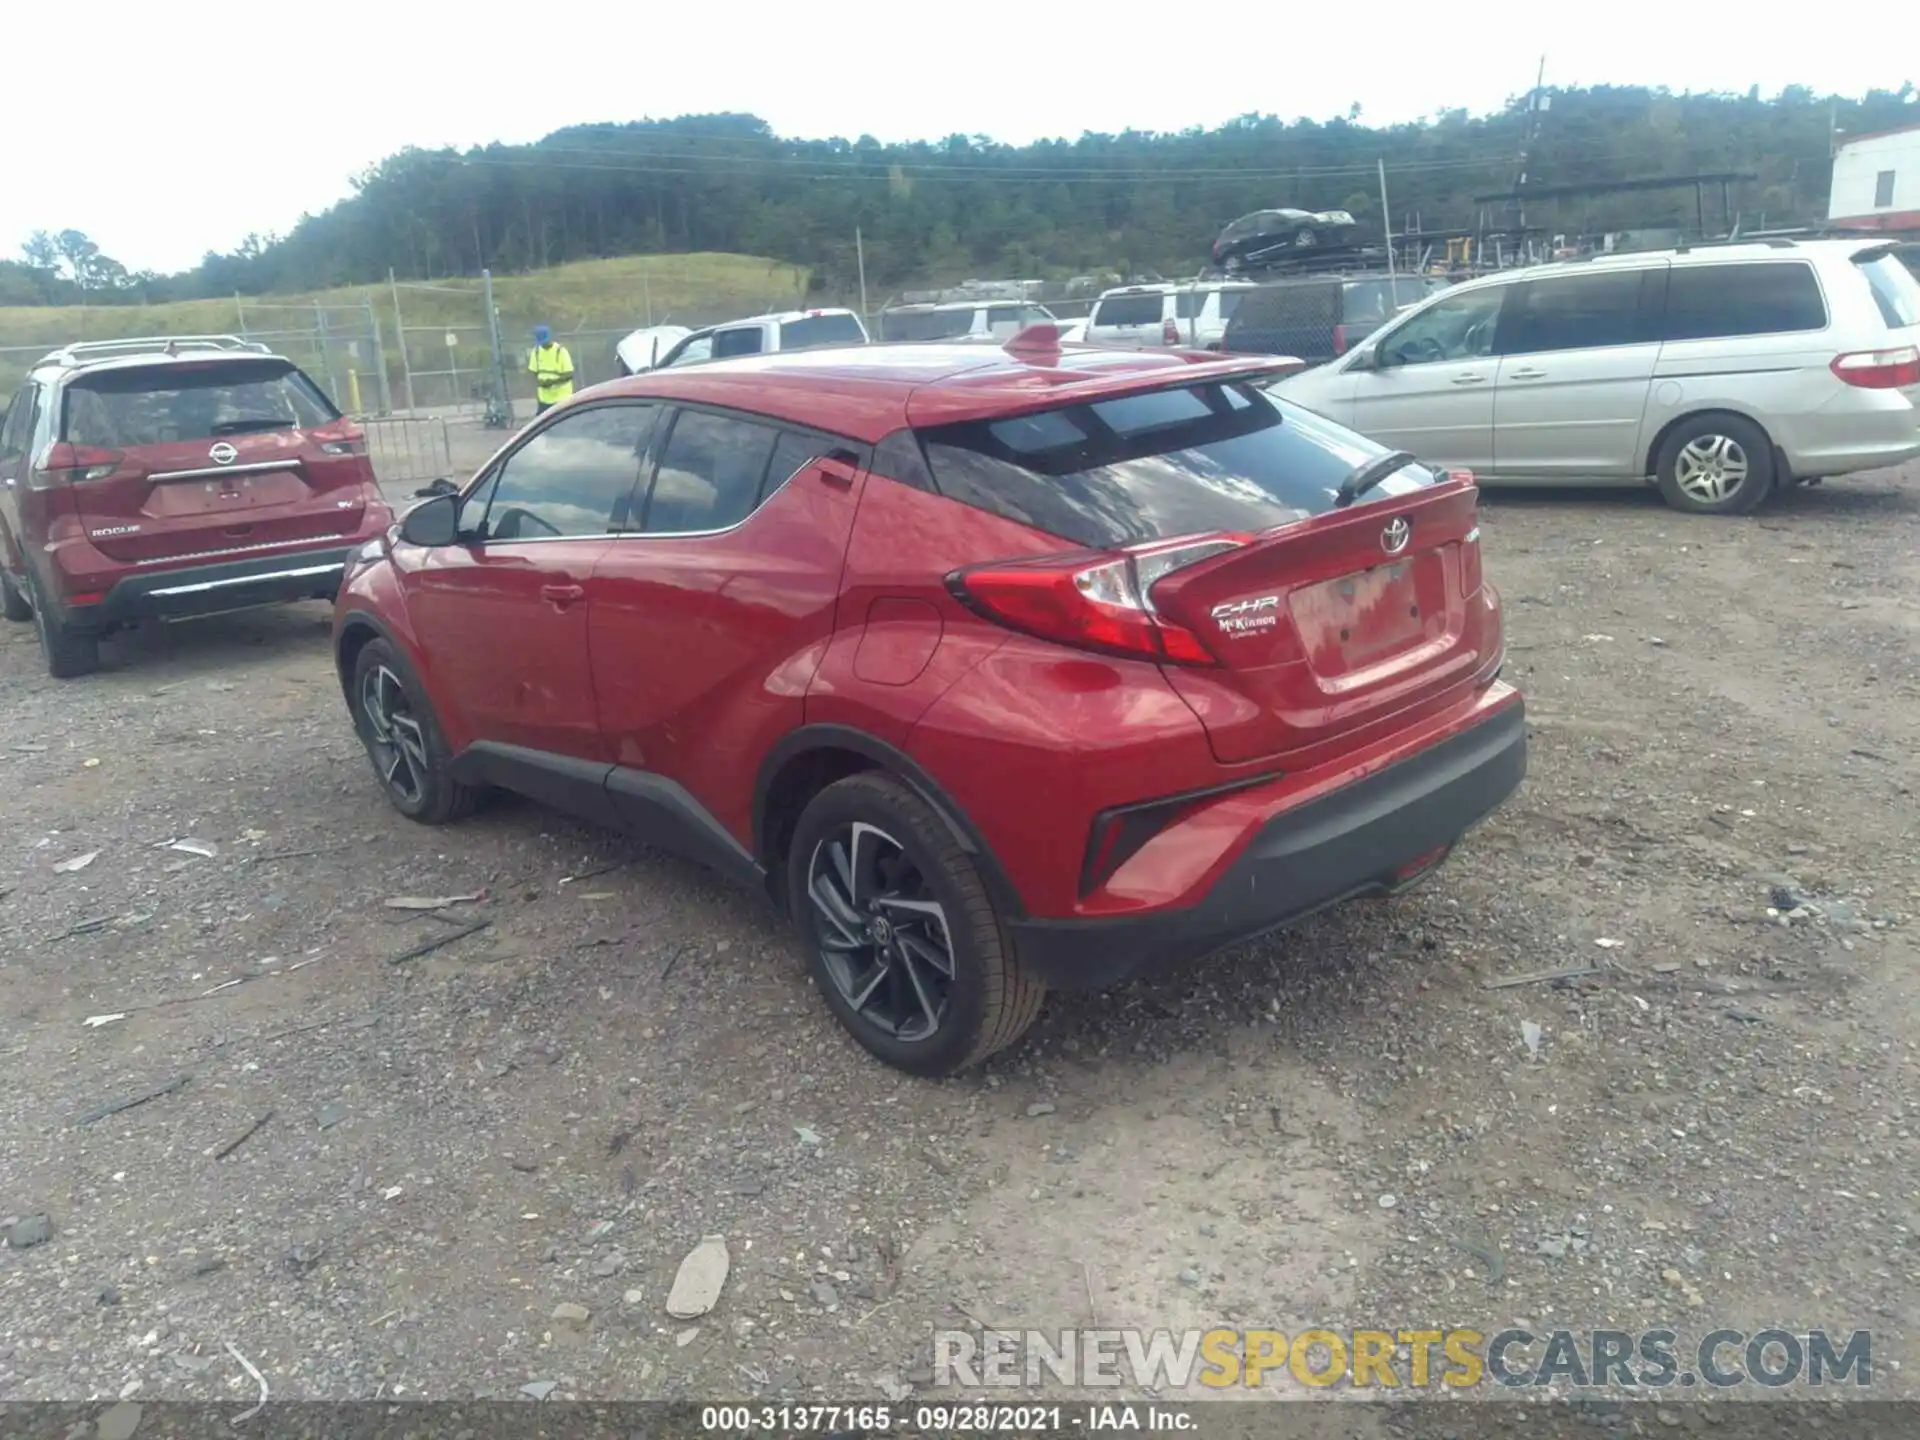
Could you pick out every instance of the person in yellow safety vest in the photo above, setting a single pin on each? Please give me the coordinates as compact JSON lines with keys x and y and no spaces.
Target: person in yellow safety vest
{"x":552,"y":370}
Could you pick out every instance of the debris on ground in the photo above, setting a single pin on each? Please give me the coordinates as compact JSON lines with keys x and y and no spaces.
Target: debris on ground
{"x":245,"y":1135}
{"x":141,"y":1097}
{"x":702,"y":1275}
{"x":1544,"y":977}
{"x":29,"y":1231}
{"x":439,"y":942}
{"x":432,"y":902}
{"x":1530,"y":1033}
{"x":77,"y":863}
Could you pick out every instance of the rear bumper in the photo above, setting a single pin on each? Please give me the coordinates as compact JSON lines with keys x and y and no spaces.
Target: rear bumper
{"x":181,"y":594}
{"x":1358,"y":840}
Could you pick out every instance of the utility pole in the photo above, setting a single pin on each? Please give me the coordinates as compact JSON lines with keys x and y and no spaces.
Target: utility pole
{"x":501,"y":412}
{"x":1386,"y":218}
{"x":1536,"y":102}
{"x":860,"y":260}
{"x":400,"y":336}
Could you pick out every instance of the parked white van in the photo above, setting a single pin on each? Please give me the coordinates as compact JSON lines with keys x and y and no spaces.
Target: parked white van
{"x":1717,"y":372}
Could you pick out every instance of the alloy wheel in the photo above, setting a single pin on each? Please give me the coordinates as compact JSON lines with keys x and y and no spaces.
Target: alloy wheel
{"x":883,"y":938}
{"x":394,"y":735}
{"x":1710,"y":468}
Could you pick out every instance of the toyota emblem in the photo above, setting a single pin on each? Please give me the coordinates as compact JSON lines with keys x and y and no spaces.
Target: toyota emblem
{"x":1394,"y":538}
{"x":222,"y":454}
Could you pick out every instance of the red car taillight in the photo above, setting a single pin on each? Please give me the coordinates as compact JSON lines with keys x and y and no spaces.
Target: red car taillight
{"x":66,"y":463}
{"x":1094,"y":600}
{"x":1169,"y":332}
{"x":341,"y":438}
{"x":1879,"y":369}
{"x":1339,"y":339}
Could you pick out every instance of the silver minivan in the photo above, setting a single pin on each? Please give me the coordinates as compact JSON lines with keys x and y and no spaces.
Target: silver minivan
{"x":1716,"y":372}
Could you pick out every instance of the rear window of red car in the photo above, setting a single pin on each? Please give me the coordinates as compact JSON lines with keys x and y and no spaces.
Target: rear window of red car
{"x":1158,"y":464}
{"x":160,"y":404}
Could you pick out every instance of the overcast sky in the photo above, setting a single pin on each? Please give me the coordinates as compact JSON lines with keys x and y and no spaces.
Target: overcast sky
{"x":166,"y":129}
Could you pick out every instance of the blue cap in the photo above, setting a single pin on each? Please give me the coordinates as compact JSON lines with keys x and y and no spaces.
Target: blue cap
{"x":542,"y":334}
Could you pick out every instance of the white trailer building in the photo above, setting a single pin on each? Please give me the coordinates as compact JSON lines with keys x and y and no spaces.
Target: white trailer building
{"x":1876,"y":182}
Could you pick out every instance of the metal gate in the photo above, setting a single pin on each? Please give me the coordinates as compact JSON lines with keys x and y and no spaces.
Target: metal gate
{"x":339,"y":345}
{"x":452,"y":361}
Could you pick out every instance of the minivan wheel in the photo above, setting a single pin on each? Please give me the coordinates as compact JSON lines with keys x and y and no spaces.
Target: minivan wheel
{"x":14,"y":605}
{"x":403,"y":739}
{"x":1306,"y":238}
{"x":901,"y":936}
{"x":1715,"y":465}
{"x":67,"y":651}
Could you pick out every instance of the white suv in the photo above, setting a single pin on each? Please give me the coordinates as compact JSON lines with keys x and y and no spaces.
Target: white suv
{"x":1193,"y":315}
{"x":1717,"y":372}
{"x":961,"y":320}
{"x":764,"y":334}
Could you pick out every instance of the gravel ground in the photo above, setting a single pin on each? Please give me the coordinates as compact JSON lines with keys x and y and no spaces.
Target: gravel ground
{"x":374,"y":1175}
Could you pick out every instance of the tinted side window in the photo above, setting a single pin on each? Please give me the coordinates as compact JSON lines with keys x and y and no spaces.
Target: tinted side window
{"x":13,"y":430}
{"x":576,"y":477}
{"x":1895,"y":289}
{"x":1709,"y":302}
{"x":1575,"y":312}
{"x":1004,"y":320}
{"x":694,"y":348}
{"x":1128,"y":310}
{"x":899,"y":457}
{"x":709,"y":474}
{"x":1461,"y":327}
{"x":816,"y":330}
{"x":736,"y":342}
{"x":790,"y":453}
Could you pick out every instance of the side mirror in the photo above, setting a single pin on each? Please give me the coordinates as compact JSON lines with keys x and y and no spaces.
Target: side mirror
{"x":1367,"y":357}
{"x":432,"y":522}
{"x":442,"y":486}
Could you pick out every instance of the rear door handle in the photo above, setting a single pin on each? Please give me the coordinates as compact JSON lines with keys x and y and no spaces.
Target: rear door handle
{"x":1469,"y":379}
{"x":1525,"y":374}
{"x":562,"y":595}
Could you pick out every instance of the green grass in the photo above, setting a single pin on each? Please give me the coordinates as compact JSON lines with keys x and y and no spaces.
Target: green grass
{"x":589,"y":305}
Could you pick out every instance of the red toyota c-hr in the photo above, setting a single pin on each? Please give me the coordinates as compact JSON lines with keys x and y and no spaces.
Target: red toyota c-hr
{"x":1000,"y":669}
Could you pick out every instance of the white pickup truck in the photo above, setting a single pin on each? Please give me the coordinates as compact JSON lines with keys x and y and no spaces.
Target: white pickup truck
{"x":764,"y":334}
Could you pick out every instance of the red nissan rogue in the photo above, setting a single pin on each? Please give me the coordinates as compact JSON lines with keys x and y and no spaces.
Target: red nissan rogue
{"x":161,"y":479}
{"x":1000,"y":669}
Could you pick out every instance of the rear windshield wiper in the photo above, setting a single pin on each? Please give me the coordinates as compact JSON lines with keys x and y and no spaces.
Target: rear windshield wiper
{"x":1364,"y":477}
{"x":250,"y":422}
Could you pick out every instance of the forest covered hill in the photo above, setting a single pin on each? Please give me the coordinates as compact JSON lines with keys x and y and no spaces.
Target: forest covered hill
{"x":971,"y":206}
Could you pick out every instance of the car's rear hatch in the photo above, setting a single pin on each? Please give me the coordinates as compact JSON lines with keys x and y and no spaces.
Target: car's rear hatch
{"x":190,"y":458}
{"x":1289,"y":621}
{"x":1896,"y":295}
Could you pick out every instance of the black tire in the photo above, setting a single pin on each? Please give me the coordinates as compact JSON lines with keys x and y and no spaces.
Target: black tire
{"x":416,"y":769}
{"x":1693,"y":468}
{"x":1305,"y":238}
{"x":14,"y":605}
{"x":984,"y":1005}
{"x":69,"y":653}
